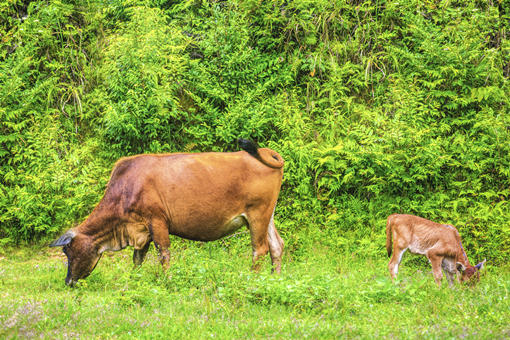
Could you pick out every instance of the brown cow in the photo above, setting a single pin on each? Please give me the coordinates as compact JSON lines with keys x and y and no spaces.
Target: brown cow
{"x":197,"y":196}
{"x":440,"y":243}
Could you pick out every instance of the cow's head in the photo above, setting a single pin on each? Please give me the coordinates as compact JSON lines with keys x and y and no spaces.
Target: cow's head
{"x":82,"y":256}
{"x":470,"y":273}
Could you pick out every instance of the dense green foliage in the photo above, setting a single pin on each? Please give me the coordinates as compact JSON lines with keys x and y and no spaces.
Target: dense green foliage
{"x":211,"y":288}
{"x":377,"y":107}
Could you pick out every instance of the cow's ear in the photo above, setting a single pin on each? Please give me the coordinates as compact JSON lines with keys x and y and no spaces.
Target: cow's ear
{"x":64,"y":239}
{"x":480,"y":265}
{"x":460,"y":267}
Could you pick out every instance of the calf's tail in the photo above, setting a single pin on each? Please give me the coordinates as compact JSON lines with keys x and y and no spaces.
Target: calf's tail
{"x":267,"y":156}
{"x":388,"y":235}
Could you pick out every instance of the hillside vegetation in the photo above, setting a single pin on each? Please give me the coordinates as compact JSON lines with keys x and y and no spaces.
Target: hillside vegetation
{"x":377,"y":107}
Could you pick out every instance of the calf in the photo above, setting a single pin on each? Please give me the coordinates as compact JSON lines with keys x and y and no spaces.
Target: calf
{"x":440,"y":243}
{"x":198,"y":196}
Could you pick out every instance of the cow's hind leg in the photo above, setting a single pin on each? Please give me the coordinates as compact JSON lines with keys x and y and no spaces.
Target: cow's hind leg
{"x":259,"y":225}
{"x":139,"y":254}
{"x":161,"y":239}
{"x":275,"y":246}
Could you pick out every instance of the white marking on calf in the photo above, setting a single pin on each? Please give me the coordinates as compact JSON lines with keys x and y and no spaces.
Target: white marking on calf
{"x":395,"y":268}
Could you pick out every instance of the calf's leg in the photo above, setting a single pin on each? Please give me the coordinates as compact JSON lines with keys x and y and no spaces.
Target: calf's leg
{"x":435,"y":261}
{"x":450,"y":276}
{"x":448,"y":266}
{"x":395,"y":261}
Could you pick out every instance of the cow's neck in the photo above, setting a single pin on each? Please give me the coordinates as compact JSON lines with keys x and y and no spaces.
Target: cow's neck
{"x":123,"y":235}
{"x":461,"y":255}
{"x":111,"y":239}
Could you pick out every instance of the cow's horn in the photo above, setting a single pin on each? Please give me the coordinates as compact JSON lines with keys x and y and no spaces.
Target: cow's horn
{"x":64,"y":239}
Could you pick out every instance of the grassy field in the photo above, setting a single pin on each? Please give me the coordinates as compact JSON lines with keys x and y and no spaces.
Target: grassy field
{"x":209,"y":292}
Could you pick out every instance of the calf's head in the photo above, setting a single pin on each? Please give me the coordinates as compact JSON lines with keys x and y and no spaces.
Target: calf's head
{"x":470,"y":273}
{"x":82,"y":256}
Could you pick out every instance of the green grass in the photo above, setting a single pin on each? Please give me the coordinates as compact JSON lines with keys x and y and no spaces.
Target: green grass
{"x":210,"y":292}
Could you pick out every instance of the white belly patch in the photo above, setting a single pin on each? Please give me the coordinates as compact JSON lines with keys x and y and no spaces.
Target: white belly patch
{"x":416,"y":248}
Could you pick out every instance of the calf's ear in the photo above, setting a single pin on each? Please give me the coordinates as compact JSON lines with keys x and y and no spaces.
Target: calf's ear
{"x":480,"y":265}
{"x":460,"y":267}
{"x":64,"y":239}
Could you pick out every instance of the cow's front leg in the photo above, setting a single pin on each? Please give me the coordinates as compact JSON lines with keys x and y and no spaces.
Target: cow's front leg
{"x":139,"y":254}
{"x":448,"y":266}
{"x":161,"y":238}
{"x":451,"y":277}
{"x":435,"y":261}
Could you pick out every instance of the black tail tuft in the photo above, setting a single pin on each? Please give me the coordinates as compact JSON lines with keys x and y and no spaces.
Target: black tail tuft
{"x":248,"y":146}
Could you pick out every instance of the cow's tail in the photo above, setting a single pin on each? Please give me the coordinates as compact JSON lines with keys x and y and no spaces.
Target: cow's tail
{"x":388,"y":235}
{"x":267,"y":156}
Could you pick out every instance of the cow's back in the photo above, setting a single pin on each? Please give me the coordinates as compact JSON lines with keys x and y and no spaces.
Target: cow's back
{"x":421,"y":234}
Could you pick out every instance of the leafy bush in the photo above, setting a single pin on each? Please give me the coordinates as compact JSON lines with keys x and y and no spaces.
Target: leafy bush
{"x":377,"y":107}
